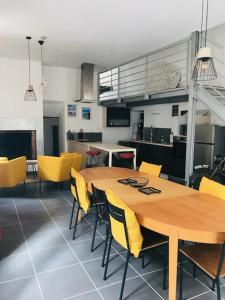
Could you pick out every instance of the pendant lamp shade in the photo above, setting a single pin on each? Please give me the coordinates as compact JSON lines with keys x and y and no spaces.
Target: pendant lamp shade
{"x":29,"y":93}
{"x":203,"y":66}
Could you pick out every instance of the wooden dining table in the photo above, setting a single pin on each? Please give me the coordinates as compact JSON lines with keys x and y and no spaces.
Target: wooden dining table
{"x":179,"y":212}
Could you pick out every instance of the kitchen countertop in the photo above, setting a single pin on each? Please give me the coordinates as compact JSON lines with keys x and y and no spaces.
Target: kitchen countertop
{"x":150,"y":143}
{"x":104,"y":146}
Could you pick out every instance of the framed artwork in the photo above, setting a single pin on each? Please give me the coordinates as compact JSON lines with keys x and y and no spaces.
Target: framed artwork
{"x":175,"y":110}
{"x":86,"y":113}
{"x":71,"y":110}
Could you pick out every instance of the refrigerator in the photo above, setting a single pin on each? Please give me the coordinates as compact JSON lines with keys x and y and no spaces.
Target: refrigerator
{"x":209,"y":141}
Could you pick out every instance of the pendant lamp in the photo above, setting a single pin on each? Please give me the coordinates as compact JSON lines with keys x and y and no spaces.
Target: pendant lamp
{"x":29,"y":94}
{"x":43,"y":84}
{"x":203,"y":65}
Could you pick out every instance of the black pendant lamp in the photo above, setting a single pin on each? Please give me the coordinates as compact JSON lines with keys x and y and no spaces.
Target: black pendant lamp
{"x":43,"y":84}
{"x":29,"y":94}
{"x":203,"y":65}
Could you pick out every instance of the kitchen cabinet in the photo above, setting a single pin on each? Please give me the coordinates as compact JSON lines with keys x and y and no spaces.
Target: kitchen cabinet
{"x":160,"y":155}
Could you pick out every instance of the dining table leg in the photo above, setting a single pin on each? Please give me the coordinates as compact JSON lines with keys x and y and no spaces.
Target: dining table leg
{"x":110,"y":158}
{"x":135,"y":160}
{"x":173,"y":257}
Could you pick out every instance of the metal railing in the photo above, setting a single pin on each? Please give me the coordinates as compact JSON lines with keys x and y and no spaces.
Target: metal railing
{"x":159,"y":71}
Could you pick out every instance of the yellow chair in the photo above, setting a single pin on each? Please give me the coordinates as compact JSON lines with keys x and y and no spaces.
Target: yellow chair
{"x":12,"y":172}
{"x":209,"y":258}
{"x":151,"y":169}
{"x":212,"y":188}
{"x":81,"y":195}
{"x":3,"y":158}
{"x":76,"y":159}
{"x":51,"y":168}
{"x":127,"y":232}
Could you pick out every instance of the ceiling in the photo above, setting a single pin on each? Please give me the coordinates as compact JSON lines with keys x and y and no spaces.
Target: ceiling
{"x":103,"y":32}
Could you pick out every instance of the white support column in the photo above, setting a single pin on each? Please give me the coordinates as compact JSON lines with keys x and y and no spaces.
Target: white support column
{"x":191,"y":111}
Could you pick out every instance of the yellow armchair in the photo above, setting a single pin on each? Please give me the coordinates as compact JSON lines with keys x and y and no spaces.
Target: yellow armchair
{"x":53,"y":168}
{"x":12,"y":172}
{"x":76,"y":159}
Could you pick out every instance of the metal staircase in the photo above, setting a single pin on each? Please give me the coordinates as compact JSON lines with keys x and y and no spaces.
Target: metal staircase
{"x":214,"y":98}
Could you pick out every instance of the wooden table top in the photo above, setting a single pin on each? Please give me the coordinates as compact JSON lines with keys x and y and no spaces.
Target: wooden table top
{"x":197,"y":216}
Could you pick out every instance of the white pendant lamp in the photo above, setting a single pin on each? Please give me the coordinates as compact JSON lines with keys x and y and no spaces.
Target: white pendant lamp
{"x":43,"y":84}
{"x":29,"y":94}
{"x":203,"y":65}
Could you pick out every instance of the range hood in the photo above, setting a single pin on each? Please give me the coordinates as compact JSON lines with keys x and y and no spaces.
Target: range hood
{"x":87,"y":84}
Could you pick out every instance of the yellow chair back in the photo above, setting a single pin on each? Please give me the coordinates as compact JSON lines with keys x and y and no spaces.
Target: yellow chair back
{"x":133,"y":228}
{"x":53,"y":168}
{"x":76,"y":159}
{"x":150,"y":169}
{"x":12,"y":172}
{"x":82,"y":192}
{"x":212,"y":188}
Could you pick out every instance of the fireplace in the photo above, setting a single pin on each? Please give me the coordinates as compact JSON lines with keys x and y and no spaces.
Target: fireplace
{"x":15,"y":143}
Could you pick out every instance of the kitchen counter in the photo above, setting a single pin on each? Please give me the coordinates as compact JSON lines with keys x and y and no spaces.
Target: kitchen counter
{"x":151,"y":143}
{"x":83,"y":147}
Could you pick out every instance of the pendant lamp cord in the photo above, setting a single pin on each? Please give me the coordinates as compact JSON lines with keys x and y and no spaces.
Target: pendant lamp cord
{"x":206,"y":21}
{"x":29,"y":57}
{"x":202,"y":23}
{"x":41,"y":64}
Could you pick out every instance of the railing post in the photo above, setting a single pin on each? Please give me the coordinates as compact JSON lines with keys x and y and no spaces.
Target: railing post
{"x":191,"y":110}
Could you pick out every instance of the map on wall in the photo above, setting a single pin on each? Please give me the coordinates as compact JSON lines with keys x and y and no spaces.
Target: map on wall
{"x":164,"y":76}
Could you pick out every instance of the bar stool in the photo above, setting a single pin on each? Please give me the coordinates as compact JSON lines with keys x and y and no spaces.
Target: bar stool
{"x":126,"y":159}
{"x":93,"y":157}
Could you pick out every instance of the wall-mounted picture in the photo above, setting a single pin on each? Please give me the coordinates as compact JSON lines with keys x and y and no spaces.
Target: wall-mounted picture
{"x":72,"y":110}
{"x":86,"y":113}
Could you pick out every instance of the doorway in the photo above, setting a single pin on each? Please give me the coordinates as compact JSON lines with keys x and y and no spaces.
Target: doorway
{"x":51,"y":136}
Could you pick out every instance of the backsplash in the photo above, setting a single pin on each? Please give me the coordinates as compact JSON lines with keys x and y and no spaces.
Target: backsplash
{"x":157,"y":134}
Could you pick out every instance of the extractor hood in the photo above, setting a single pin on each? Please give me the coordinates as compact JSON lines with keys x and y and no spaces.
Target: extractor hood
{"x":87,"y":84}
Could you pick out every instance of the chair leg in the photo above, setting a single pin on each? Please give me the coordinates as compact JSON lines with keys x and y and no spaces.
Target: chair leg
{"x":72,"y":213}
{"x":181,"y":278}
{"x":124,"y":275}
{"x":213,"y":285}
{"x":143,"y":261}
{"x":165,"y":273}
{"x":194,"y":270}
{"x":107,"y":258}
{"x":218,"y":288}
{"x":106,"y":243}
{"x":75,"y":225}
{"x":94,"y":232}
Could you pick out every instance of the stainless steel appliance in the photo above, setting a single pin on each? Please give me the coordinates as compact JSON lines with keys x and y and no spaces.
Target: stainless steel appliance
{"x":209,"y":141}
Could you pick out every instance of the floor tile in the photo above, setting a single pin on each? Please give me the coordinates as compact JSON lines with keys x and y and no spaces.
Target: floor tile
{"x":207,"y":296}
{"x":64,"y":283}
{"x":55,"y":202}
{"x":43,"y":240}
{"x":83,"y":249}
{"x":17,"y":266}
{"x":60,"y":211}
{"x":83,"y":232}
{"x":6,"y":202}
{"x":63,"y":221}
{"x":33,"y":216}
{"x":22,"y":289}
{"x":153,"y":262}
{"x":115,"y":271}
{"x":28,"y":205}
{"x":53,"y":258}
{"x":12,"y":231}
{"x":135,"y":288}
{"x":12,"y":246}
{"x":8,"y":218}
{"x":30,"y":228}
{"x":94,"y":295}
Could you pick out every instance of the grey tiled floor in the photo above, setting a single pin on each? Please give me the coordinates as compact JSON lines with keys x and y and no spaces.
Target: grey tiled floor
{"x":39,"y":259}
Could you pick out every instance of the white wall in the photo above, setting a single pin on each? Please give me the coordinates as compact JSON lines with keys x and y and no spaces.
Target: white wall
{"x":15,"y":113}
{"x":64,"y":85}
{"x":160,"y":116}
